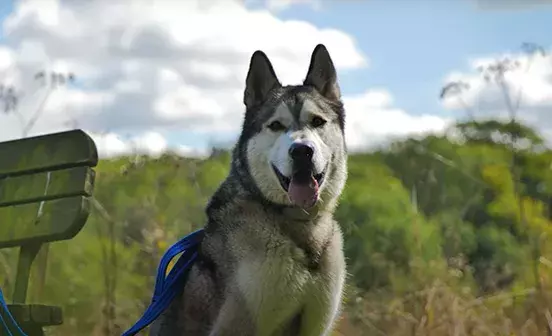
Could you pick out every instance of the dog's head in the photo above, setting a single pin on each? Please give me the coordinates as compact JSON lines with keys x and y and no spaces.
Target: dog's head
{"x":292,"y":140}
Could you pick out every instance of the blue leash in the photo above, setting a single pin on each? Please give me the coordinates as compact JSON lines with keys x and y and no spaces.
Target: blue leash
{"x":168,"y":287}
{"x":3,"y":323}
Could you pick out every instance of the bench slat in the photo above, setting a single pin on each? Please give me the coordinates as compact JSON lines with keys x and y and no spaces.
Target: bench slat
{"x":47,"y":152}
{"x":59,"y":220}
{"x":46,"y":186}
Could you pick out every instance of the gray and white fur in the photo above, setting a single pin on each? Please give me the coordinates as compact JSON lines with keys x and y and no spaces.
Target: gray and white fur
{"x":270,"y":265}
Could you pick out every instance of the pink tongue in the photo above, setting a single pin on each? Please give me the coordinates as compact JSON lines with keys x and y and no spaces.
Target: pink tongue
{"x":304,"y":195}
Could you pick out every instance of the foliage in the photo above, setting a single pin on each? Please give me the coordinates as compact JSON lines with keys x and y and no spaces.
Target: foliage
{"x":436,"y":239}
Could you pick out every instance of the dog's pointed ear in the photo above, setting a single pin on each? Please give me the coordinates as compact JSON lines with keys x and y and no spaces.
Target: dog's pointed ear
{"x":261,"y":79}
{"x":322,"y":75}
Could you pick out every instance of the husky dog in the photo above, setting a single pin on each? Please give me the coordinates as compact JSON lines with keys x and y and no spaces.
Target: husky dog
{"x":271,"y":262}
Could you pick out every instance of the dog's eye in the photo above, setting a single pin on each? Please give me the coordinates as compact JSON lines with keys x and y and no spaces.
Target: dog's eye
{"x":276,"y":126}
{"x":317,"y":122}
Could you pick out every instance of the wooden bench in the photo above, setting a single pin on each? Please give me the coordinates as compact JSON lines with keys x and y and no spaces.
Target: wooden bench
{"x":45,"y":187}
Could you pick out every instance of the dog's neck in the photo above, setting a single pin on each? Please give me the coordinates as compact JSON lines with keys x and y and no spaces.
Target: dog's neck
{"x":303,"y":215}
{"x":301,"y":226}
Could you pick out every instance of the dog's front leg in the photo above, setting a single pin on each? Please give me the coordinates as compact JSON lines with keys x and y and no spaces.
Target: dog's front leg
{"x":321,"y":311}
{"x":324,"y":300}
{"x":233,"y":318}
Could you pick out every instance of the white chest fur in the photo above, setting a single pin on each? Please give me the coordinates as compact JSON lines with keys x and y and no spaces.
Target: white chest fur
{"x":275,"y":286}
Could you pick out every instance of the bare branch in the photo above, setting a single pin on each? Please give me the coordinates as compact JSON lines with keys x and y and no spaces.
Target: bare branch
{"x":457,"y":88}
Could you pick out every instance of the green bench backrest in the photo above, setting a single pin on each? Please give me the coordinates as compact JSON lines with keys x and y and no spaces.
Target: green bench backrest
{"x":45,"y":187}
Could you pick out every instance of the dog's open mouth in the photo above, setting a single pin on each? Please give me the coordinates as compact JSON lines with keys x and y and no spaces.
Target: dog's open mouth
{"x":302,"y":187}
{"x":285,"y":181}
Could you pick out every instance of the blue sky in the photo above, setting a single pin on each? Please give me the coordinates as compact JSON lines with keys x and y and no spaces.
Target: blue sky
{"x":411,"y":46}
{"x":6,"y":7}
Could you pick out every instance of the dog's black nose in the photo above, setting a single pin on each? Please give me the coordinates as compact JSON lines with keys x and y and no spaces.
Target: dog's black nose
{"x":301,"y":150}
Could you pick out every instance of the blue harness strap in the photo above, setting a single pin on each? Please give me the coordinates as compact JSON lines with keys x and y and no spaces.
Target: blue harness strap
{"x":3,"y":323}
{"x":167,"y":287}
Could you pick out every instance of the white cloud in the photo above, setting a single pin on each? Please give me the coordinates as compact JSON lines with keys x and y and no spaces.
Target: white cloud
{"x":111,"y":144}
{"x":192,"y":151}
{"x":151,"y":143}
{"x":530,"y":83}
{"x":278,"y":5}
{"x":371,"y":118}
{"x":143,"y":66}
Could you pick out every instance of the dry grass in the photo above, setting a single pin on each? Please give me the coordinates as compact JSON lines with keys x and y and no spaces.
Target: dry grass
{"x":439,"y":309}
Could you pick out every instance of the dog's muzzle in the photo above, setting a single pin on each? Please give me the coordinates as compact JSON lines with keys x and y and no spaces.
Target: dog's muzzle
{"x":303,"y":184}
